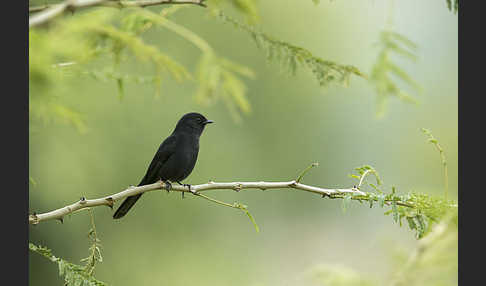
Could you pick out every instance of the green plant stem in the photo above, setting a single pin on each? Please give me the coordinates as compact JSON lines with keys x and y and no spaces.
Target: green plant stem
{"x":305,"y":171}
{"x":235,"y":205}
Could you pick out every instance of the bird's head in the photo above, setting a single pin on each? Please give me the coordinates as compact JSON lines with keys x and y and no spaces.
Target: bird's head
{"x":192,"y":122}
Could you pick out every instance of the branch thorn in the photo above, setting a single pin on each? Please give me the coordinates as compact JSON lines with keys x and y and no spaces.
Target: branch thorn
{"x":237,"y":188}
{"x":110,"y":202}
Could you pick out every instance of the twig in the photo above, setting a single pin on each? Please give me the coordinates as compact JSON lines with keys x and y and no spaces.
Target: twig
{"x":48,"y":12}
{"x":442,"y":158}
{"x":235,"y":205}
{"x":236,"y":186}
{"x":363,"y":176}
{"x":305,"y":171}
{"x":94,"y":249}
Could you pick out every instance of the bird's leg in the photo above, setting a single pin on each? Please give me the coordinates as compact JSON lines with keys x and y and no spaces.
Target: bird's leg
{"x":182,"y":193}
{"x":168,"y":185}
{"x":188,"y":186}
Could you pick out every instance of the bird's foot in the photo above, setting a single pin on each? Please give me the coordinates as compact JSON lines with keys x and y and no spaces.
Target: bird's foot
{"x":194,"y":192}
{"x":168,"y":186}
{"x":188,"y":186}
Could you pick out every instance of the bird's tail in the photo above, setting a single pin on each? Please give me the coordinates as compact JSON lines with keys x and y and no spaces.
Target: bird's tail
{"x":126,"y":206}
{"x":129,"y":201}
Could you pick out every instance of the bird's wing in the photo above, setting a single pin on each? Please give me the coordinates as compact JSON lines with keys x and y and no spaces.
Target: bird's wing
{"x":166,"y":149}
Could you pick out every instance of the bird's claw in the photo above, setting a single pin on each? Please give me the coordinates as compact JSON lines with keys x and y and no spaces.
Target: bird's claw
{"x":168,"y":186}
{"x":194,"y":192}
{"x":189,"y":188}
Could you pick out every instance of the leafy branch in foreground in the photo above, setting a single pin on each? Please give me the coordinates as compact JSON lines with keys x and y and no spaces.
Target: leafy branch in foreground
{"x":384,"y":69}
{"x":75,"y":275}
{"x":291,"y":57}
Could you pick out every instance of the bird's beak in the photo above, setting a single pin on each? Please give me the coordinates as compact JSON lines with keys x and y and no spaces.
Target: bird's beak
{"x":208,"y":121}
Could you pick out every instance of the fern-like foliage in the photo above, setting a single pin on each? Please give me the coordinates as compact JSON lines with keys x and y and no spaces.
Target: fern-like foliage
{"x":420,"y":211}
{"x":291,"y":57}
{"x":94,"y":250}
{"x":73,"y":274}
{"x":385,"y":69}
{"x":77,"y":275}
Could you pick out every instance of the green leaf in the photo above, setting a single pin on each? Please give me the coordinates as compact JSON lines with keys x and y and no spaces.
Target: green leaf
{"x":395,"y":211}
{"x":411,"y":223}
{"x":346,"y":200}
{"x":354,"y":176}
{"x":373,"y":186}
{"x":381,"y":200}
{"x":420,"y":226}
{"x":257,"y":229}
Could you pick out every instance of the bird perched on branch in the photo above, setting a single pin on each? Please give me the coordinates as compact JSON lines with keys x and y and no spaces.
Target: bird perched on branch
{"x":174,"y":159}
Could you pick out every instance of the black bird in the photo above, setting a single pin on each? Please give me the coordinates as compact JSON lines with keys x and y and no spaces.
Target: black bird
{"x":174,"y":159}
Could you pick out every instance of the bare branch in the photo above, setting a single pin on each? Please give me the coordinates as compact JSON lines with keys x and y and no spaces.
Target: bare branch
{"x":47,"y":12}
{"x":195,"y":189}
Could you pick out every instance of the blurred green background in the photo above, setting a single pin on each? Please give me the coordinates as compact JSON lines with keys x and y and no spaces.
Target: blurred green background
{"x":165,"y":240}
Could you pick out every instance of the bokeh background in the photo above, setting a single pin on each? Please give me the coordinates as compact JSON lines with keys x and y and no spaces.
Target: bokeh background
{"x":166,"y":240}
